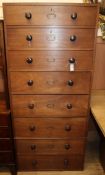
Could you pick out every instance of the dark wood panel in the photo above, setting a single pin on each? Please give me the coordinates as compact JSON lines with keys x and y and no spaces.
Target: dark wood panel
{"x":50,"y":163}
{"x":4,"y":132}
{"x":50,"y":38}
{"x":50,"y":147}
{"x":50,"y":15}
{"x":6,"y":158}
{"x":50,"y":127}
{"x":50,"y":83}
{"x":4,"y":119}
{"x":49,"y":60}
{"x":5,"y":144}
{"x":50,"y":105}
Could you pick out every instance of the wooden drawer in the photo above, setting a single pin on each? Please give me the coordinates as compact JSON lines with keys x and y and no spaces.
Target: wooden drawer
{"x":50,"y":60}
{"x":6,"y":157}
{"x":5,"y":144}
{"x":50,"y":14}
{"x":50,"y":38}
{"x":50,"y":127}
{"x":4,"y":132}
{"x":50,"y":162}
{"x":50,"y":147}
{"x":50,"y":83}
{"x":49,"y":105}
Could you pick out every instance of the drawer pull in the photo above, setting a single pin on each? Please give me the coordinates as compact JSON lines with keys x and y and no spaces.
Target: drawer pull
{"x":31,"y":106}
{"x":72,"y":60}
{"x":33,"y":147}
{"x":34,"y":163}
{"x":29,"y":37}
{"x":66,"y":162}
{"x":67,"y":146}
{"x":30,"y":82}
{"x":51,"y":15}
{"x":28,"y":15}
{"x":74,"y":16}
{"x":70,"y":83}
{"x":69,"y":106}
{"x":29,"y":60}
{"x":32,"y":128}
{"x":67,"y":128}
{"x":73,"y":38}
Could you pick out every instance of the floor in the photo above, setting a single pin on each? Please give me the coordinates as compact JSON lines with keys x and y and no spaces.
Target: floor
{"x":92,"y":165}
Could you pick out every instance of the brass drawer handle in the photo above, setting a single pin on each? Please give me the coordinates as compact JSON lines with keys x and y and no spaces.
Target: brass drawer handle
{"x":74,"y":16}
{"x":32,"y":128}
{"x":33,"y":147}
{"x":51,"y":15}
{"x":69,"y":106}
{"x":30,"y":82}
{"x":67,"y":127}
{"x":70,"y":83}
{"x":67,"y":146}
{"x":73,"y":38}
{"x":28,"y":15}
{"x":29,"y":60}
{"x":31,"y":106}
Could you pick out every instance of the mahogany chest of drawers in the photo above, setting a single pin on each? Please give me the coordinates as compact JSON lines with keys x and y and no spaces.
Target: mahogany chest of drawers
{"x":50,"y":49}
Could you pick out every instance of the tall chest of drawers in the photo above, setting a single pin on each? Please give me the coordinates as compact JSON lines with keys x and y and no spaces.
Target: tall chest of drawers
{"x":50,"y":50}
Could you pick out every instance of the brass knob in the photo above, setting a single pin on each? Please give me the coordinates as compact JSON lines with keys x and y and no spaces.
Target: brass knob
{"x":74,"y":16}
{"x":28,"y":15}
{"x":66,"y":162}
{"x":72,"y":60}
{"x":69,"y":106}
{"x":67,"y":146}
{"x":29,"y":37}
{"x":31,"y":106}
{"x":34,"y":162}
{"x":29,"y":60}
{"x":67,"y":128}
{"x":33,"y":147}
{"x":73,"y":38}
{"x":70,"y":83}
{"x":32,"y":128}
{"x":30,"y":82}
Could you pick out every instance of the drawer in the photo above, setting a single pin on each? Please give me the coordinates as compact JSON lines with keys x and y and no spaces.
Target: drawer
{"x":50,"y":147}
{"x":50,"y":60}
{"x":4,"y":132}
{"x":50,"y":38}
{"x":4,"y":120}
{"x":50,"y":162}
{"x":50,"y":83}
{"x":5,"y":144}
{"x":6,"y":158}
{"x":50,"y":105}
{"x":33,"y":14}
{"x":50,"y":127}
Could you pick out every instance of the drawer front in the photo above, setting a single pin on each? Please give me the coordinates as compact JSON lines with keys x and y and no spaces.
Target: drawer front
{"x":50,"y":38}
{"x":50,"y":162}
{"x":49,"y":105}
{"x":50,"y":127}
{"x":50,"y":15}
{"x":50,"y":147}
{"x":50,"y":83}
{"x":6,"y":158}
{"x":5,"y":144}
{"x":4,"y":132}
{"x":50,"y":60}
{"x":4,"y":120}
